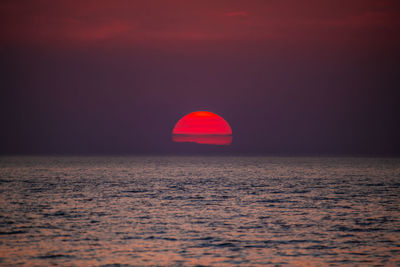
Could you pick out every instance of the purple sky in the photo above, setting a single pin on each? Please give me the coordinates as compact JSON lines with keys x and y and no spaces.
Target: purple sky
{"x":114,"y":77}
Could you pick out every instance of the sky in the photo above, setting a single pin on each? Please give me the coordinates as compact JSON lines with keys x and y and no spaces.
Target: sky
{"x":114,"y":77}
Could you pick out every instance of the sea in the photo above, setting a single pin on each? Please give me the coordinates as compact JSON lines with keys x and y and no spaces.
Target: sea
{"x":199,"y":211}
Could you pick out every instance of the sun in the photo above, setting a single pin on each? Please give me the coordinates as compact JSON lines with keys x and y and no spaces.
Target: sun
{"x":203,"y":127}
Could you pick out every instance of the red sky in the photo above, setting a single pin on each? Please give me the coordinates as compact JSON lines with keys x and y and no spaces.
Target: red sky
{"x":289,"y":76}
{"x":129,"y":23}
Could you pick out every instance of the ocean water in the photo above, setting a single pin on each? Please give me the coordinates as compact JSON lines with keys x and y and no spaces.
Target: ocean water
{"x":248,"y":211}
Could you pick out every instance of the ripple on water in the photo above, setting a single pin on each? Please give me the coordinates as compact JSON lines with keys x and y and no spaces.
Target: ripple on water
{"x":137,"y":211}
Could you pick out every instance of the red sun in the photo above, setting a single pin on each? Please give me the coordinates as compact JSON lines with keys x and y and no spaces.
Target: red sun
{"x":202,"y":127}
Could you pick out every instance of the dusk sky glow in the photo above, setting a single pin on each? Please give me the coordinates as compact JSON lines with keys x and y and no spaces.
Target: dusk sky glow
{"x":109,"y":77}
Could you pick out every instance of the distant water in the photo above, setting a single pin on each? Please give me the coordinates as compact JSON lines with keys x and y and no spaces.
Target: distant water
{"x":199,"y":211}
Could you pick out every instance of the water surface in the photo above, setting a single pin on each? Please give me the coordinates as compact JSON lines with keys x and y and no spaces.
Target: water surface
{"x":199,"y":211}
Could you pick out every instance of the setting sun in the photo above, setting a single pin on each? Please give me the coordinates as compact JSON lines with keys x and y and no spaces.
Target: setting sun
{"x":202,"y":127}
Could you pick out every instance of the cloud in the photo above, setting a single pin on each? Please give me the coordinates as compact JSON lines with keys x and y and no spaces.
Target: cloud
{"x":106,"y":31}
{"x":145,"y":22}
{"x":236,"y":14}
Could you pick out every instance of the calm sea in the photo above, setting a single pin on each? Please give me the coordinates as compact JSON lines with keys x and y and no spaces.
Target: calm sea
{"x":137,"y":211}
